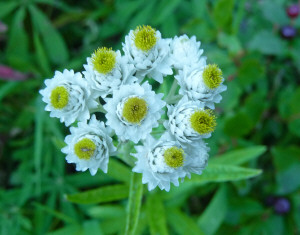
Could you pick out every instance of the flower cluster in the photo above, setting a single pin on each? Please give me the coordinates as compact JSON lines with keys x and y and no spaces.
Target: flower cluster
{"x":168,"y":130}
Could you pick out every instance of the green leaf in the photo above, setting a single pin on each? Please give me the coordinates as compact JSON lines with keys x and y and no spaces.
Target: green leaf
{"x":7,"y":7}
{"x":294,"y":127}
{"x":106,"y":211}
{"x":156,"y":215}
{"x":222,"y":13}
{"x":134,"y":203}
{"x":287,"y":164}
{"x":18,"y":53}
{"x":289,"y":103}
{"x":251,"y":71}
{"x":215,"y":212}
{"x":223,"y":173}
{"x":267,"y":43}
{"x":231,"y":42}
{"x":7,"y":88}
{"x":54,"y":43}
{"x":118,"y":171}
{"x":231,"y":99}
{"x":91,"y":227}
{"x":274,"y":12}
{"x":164,"y":10}
{"x":103,"y":194}
{"x":239,"y":156}
{"x":238,"y":16}
{"x":182,"y":224}
{"x":57,"y":214}
{"x":238,"y":125}
{"x":41,"y":57}
{"x":70,"y":229}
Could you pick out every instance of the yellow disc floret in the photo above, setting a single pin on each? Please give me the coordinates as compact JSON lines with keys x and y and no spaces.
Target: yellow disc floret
{"x":203,"y":121}
{"x":174,"y":157}
{"x":104,"y":60}
{"x":135,"y":110}
{"x":144,"y":37}
{"x":212,"y":76}
{"x":85,"y":148}
{"x":59,"y":97}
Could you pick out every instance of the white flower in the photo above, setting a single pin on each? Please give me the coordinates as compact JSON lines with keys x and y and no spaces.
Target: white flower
{"x":148,"y":52}
{"x":164,"y":161}
{"x":106,"y":71}
{"x":133,"y":111}
{"x":68,"y":97}
{"x":186,"y":51}
{"x":189,"y":121}
{"x":204,"y":84}
{"x":89,"y":146}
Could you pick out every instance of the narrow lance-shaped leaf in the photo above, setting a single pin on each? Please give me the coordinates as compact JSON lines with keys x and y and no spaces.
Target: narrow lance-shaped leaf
{"x":53,"y":41}
{"x":215,"y":212}
{"x":156,"y":215}
{"x":103,"y":194}
{"x":223,"y":173}
{"x":182,"y":223}
{"x":240,"y":156}
{"x":134,"y":203}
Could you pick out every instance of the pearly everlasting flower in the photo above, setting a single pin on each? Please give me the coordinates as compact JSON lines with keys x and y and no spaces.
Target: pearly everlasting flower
{"x":133,"y":111}
{"x":106,"y":70}
{"x":189,"y":121}
{"x":164,"y":161}
{"x":186,"y":51}
{"x":204,"y":84}
{"x":68,"y":97}
{"x":148,"y":52}
{"x":89,"y":146}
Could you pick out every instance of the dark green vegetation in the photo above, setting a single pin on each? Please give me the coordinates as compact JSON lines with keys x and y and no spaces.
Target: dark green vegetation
{"x":259,"y":116}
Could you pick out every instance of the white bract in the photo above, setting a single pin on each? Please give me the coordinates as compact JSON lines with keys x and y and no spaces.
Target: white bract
{"x":105,"y":83}
{"x":148,"y":52}
{"x":192,"y":84}
{"x":186,"y":51}
{"x":133,"y":111}
{"x":184,"y":124}
{"x":68,"y":97}
{"x":164,"y":161}
{"x":89,"y":146}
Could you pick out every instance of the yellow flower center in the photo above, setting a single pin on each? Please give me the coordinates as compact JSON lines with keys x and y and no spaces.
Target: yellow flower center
{"x":174,"y":157}
{"x":134,"y":110}
{"x":212,"y":76}
{"x":59,"y":97}
{"x":203,"y":121}
{"x":144,"y":37}
{"x":104,"y":60}
{"x":85,"y":148}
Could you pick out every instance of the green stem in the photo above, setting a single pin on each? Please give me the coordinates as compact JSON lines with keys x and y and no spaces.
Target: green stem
{"x":98,"y":109}
{"x":172,"y":91}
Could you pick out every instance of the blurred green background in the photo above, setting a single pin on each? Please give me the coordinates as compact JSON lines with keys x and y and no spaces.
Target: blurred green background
{"x":260,"y":108}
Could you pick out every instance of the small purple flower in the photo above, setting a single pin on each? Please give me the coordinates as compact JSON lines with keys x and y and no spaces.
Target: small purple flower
{"x":288,"y":32}
{"x":293,"y":11}
{"x":7,"y":73}
{"x":282,"y":206}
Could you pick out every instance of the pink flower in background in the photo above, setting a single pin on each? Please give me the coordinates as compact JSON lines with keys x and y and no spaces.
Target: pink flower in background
{"x":3,"y":27}
{"x":7,"y":73}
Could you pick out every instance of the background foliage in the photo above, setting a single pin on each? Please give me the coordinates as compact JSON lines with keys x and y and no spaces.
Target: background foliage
{"x":259,"y":115}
